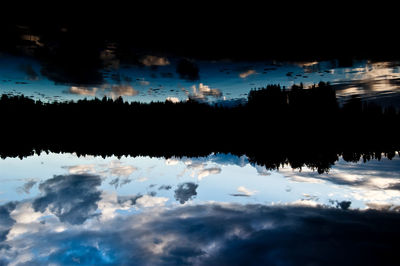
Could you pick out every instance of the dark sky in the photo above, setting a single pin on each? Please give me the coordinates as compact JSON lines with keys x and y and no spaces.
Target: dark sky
{"x":239,"y":31}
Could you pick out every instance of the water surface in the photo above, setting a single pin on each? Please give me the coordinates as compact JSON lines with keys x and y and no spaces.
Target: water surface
{"x":64,"y":209}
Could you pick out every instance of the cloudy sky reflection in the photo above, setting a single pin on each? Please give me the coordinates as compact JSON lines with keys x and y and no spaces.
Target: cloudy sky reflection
{"x":157,"y":78}
{"x":91,"y":210}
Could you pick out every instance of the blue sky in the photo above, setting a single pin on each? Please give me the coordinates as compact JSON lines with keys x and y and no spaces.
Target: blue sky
{"x":218,"y":177}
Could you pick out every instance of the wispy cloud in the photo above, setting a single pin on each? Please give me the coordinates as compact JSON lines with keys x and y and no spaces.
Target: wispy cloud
{"x":247,"y":73}
{"x":82,"y":91}
{"x":151,"y":60}
{"x":244,"y":192}
{"x":122,"y":90}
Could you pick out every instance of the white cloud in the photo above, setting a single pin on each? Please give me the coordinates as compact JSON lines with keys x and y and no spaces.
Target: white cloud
{"x":141,"y":179}
{"x":81,"y":169}
{"x":108,"y":205}
{"x":305,"y":202}
{"x":202,"y":91}
{"x":208,"y":171}
{"x":246,"y":191}
{"x":82,"y":91}
{"x":172,"y":99}
{"x":116,"y":168}
{"x":171,"y":162}
{"x":26,"y":220}
{"x":147,"y":201}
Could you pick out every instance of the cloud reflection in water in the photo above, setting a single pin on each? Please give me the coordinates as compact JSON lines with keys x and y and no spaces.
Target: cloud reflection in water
{"x":216,"y":234}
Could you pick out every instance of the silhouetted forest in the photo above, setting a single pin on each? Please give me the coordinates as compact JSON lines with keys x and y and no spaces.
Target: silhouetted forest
{"x":299,"y":126}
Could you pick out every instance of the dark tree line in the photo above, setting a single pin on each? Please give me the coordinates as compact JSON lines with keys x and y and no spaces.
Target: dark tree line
{"x":296,"y":126}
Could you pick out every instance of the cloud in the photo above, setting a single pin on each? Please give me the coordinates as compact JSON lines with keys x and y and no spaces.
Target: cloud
{"x":247,"y":73}
{"x":151,"y":60}
{"x":118,"y":182}
{"x":122,"y":90}
{"x":130,"y":199}
{"x":220,"y":234}
{"x":172,"y":161}
{"x":246,"y":191}
{"x":26,"y":188}
{"x":26,"y":220}
{"x":197,"y":166}
{"x":148,"y":201}
{"x":208,"y":171}
{"x":81,"y":169}
{"x":6,"y":221}
{"x":72,"y":198}
{"x":29,"y":72}
{"x":144,"y":82}
{"x":116,"y":168}
{"x":165,"y":187}
{"x":141,"y":179}
{"x":188,"y":70}
{"x":172,"y":99}
{"x":32,"y":38}
{"x":228,"y":159}
{"x":185,"y":192}
{"x":203,"y":91}
{"x":109,"y":58}
{"x":82,"y":91}
{"x":262,"y":170}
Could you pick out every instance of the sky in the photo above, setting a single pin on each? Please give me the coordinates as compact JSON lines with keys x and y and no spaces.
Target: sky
{"x":156,"y":78}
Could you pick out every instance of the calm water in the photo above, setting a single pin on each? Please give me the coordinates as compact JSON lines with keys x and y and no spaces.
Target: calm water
{"x":155,"y":78}
{"x":64,"y":209}
{"x":61,"y":209}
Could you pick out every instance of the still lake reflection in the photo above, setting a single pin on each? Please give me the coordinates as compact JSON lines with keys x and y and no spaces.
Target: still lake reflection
{"x":156,"y":78}
{"x":220,"y":209}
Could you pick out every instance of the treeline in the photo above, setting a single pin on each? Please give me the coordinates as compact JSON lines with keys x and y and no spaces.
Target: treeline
{"x":299,"y":126}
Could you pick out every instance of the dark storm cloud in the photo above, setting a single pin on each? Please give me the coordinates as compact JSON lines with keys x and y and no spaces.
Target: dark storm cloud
{"x":131,"y":199}
{"x":239,"y":195}
{"x":165,"y":187}
{"x":395,"y":186}
{"x":185,"y":192}
{"x":188,"y":70}
{"x":29,"y":71}
{"x":119,"y":182}
{"x":6,"y":222}
{"x":344,"y":205}
{"x":72,"y":198}
{"x":232,"y":234}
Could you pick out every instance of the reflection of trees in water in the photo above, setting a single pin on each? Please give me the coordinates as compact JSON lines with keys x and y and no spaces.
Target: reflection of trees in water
{"x":300,"y":127}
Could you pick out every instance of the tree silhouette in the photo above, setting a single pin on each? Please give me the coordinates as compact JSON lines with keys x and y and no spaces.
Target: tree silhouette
{"x":297,"y":126}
